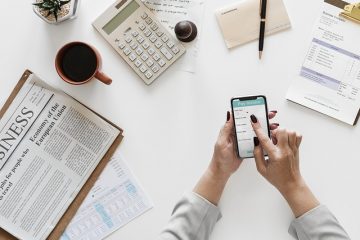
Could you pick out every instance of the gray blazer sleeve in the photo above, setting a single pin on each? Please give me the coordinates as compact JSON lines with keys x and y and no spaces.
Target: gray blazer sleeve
{"x":193,"y":218}
{"x":317,"y":224}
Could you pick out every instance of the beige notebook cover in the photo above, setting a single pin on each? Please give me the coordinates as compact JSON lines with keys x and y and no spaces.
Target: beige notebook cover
{"x":240,"y":22}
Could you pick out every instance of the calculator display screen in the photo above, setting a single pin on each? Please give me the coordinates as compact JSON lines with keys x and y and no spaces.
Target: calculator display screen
{"x":121,"y":17}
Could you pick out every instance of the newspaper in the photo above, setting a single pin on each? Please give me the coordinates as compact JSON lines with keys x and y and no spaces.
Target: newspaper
{"x":116,"y":199}
{"x":49,"y":146}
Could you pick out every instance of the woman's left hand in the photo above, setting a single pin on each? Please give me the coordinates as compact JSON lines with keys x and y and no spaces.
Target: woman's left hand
{"x":225,"y":160}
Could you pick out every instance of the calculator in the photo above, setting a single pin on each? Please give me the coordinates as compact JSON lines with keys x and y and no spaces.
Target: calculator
{"x":140,"y":39}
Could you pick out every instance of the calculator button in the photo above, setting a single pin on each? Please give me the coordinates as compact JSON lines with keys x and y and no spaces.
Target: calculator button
{"x":146,"y":45}
{"x":153,"y":38}
{"x":138,"y":63}
{"x":135,"y":33}
{"x":156,"y":57}
{"x":132,"y":57}
{"x":144,"y":57}
{"x":161,"y":63}
{"x":148,"y":21}
{"x":166,"y":53}
{"x":140,"y":39}
{"x":155,"y":69}
{"x":175,"y":50}
{"x":122,"y":45}
{"x":149,"y":62}
{"x":127,"y":51}
{"x":151,"y":51}
{"x":159,"y":33}
{"x":154,"y":27}
{"x":144,"y":15}
{"x":143,"y":68}
{"x":147,"y":32}
{"x":128,"y":39}
{"x":158,"y":44}
{"x":170,"y":44}
{"x":133,"y":45}
{"x":148,"y":74}
{"x":142,"y":27}
{"x":139,"y":51}
{"x":165,"y":38}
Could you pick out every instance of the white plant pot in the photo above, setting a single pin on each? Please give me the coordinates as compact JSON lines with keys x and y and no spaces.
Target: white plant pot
{"x":69,"y":11}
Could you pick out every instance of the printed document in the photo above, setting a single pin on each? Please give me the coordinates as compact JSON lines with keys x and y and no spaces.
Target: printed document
{"x":169,"y":13}
{"x":49,"y":146}
{"x":329,"y":79}
{"x":114,"y":201}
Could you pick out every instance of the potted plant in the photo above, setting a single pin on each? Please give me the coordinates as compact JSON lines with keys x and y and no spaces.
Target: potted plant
{"x":56,"y":11}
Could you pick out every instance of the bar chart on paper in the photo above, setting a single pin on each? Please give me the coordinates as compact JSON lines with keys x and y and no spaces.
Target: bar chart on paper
{"x":329,"y":79}
{"x":115,"y":200}
{"x":334,"y":68}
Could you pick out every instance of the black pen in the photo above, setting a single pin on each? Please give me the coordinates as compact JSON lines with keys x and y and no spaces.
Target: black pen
{"x":263,"y":4}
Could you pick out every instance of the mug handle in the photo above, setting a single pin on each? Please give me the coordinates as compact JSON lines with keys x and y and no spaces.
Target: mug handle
{"x":103,"y":77}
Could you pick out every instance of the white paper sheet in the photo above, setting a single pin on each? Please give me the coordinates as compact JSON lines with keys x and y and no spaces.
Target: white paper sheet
{"x":329,"y":79}
{"x":115,"y":200}
{"x":170,"y":12}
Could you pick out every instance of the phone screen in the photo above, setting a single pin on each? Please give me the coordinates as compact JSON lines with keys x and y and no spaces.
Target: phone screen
{"x":242,"y":109}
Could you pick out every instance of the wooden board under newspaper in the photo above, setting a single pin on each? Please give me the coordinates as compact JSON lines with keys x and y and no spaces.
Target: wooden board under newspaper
{"x":71,"y":211}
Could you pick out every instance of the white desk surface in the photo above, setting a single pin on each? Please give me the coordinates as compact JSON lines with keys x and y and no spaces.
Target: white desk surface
{"x":171,"y":126}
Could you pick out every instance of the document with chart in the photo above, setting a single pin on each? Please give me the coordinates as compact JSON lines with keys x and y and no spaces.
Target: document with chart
{"x":115,"y":200}
{"x":50,"y":144}
{"x":329,"y":79}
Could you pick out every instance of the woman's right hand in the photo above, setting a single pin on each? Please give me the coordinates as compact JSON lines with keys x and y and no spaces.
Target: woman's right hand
{"x":282,"y":168}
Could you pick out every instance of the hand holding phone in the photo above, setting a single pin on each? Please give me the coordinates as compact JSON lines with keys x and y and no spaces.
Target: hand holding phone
{"x":242,"y":108}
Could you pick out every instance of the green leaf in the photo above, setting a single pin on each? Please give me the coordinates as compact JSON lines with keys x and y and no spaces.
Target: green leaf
{"x":64,"y":2}
{"x":47,"y":5}
{"x":52,"y":6}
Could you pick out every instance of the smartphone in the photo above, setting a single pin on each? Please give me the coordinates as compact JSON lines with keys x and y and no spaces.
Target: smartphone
{"x":242,"y":108}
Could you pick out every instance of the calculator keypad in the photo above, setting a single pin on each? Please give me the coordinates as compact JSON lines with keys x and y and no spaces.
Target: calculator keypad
{"x":148,"y":47}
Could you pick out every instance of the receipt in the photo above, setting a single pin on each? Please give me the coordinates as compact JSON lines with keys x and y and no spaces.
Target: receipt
{"x":115,"y":200}
{"x":169,"y":13}
{"x":329,"y":79}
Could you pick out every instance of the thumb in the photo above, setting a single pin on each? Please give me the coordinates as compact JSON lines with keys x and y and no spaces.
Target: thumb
{"x":259,"y":157}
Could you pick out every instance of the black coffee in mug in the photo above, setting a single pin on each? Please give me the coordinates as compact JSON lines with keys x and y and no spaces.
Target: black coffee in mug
{"x":79,"y":62}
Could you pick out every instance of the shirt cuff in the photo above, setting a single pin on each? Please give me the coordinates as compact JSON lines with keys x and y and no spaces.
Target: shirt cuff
{"x":313,"y":222}
{"x":193,"y":217}
{"x":212,"y":210}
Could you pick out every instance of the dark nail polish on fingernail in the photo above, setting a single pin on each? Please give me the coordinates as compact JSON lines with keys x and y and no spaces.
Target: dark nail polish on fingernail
{"x":227,"y":116}
{"x":274,"y":111}
{"x":256,"y":141}
{"x":253,"y":118}
{"x":276,"y":124}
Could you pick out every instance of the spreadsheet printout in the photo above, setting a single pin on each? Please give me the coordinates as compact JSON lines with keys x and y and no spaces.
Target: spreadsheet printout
{"x":115,"y":200}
